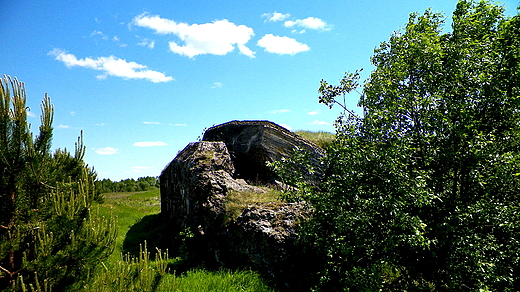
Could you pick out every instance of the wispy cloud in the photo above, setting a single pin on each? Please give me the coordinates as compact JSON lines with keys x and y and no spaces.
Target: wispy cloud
{"x":179,"y":125}
{"x":281,"y":45}
{"x":145,"y":42}
{"x":217,"y":85}
{"x":279,"y":111}
{"x":100,"y":34}
{"x":111,"y":66}
{"x":100,"y":124}
{"x":275,"y":16}
{"x":308,"y":23}
{"x":63,"y":127}
{"x":149,"y":144}
{"x":31,"y":114}
{"x":151,"y":123}
{"x":316,"y":122}
{"x":217,"y":38}
{"x":312,"y":23}
{"x":106,"y":151}
{"x":313,"y":113}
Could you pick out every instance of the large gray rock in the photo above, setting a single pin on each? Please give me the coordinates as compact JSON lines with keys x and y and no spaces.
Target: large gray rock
{"x":263,"y":238}
{"x":252,"y":144}
{"x":195,"y":184}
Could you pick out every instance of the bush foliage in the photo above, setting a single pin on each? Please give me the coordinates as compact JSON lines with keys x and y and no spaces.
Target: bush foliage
{"x":50,"y":237}
{"x":422,"y":191}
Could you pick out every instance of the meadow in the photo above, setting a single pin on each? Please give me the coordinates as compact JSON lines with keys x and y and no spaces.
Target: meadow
{"x":139,"y":264}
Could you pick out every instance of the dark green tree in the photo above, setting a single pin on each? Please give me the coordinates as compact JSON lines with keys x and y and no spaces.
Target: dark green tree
{"x":422,"y":191}
{"x":127,"y":185}
{"x":49,"y":236}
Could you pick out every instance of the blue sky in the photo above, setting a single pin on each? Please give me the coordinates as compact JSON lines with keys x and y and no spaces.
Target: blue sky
{"x":142,"y":79}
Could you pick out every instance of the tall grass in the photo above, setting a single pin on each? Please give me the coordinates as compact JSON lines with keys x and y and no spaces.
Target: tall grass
{"x":151,"y":269}
{"x":320,"y":138}
{"x":223,"y":280}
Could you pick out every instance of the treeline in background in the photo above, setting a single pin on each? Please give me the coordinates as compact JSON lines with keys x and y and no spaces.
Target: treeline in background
{"x":127,"y":185}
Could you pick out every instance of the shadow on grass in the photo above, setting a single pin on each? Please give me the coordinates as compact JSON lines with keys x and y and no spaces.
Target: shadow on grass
{"x":181,"y":246}
{"x":188,"y":253}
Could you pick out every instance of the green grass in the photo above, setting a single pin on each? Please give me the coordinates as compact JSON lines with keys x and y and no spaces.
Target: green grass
{"x":223,"y":280}
{"x":320,"y":138}
{"x":129,"y":208}
{"x":139,"y":220}
{"x":236,"y":202}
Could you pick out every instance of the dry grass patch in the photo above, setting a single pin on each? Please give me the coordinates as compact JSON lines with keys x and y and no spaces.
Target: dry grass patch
{"x":237,"y":202}
{"x":320,"y":138}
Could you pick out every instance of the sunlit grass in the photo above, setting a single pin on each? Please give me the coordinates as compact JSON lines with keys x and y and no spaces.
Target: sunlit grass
{"x":224,"y":280}
{"x":132,"y":210}
{"x":129,"y":208}
{"x":320,"y":138}
{"x":236,"y":202}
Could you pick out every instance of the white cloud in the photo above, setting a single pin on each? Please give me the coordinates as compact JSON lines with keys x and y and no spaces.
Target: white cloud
{"x":217,"y":85}
{"x":99,"y":33}
{"x":279,"y":111}
{"x":298,"y":31}
{"x":151,"y":123}
{"x":217,"y":38}
{"x":107,"y":151}
{"x":146,"y":43}
{"x":30,"y":114}
{"x":111,"y":66}
{"x":281,"y":45}
{"x":309,"y":23}
{"x":101,"y":124}
{"x":179,"y":125}
{"x":275,"y":16}
{"x":149,"y":144}
{"x":313,"y":113}
{"x":63,"y":127}
{"x":316,"y":122}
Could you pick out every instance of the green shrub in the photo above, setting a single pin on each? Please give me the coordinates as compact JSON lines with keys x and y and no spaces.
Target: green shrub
{"x":421,"y":193}
{"x":50,"y":237}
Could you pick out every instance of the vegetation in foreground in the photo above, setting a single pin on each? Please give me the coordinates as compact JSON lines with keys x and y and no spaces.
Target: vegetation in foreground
{"x":148,"y":258}
{"x":57,"y":235}
{"x":422,"y":192}
{"x":50,"y":236}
